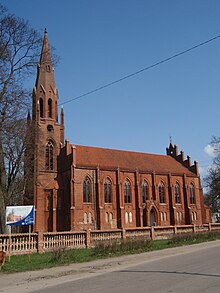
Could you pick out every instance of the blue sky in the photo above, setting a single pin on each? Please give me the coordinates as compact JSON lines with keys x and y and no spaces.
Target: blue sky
{"x":100,"y":41}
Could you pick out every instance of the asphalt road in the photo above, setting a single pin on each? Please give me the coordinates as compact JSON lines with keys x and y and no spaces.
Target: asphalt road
{"x":185,"y":269}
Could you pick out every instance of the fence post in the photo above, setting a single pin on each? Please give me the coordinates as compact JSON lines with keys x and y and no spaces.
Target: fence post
{"x":123,"y":233}
{"x":210,"y":227}
{"x":194,"y":228}
{"x":152,"y":233}
{"x":40,"y":242}
{"x":88,"y":238}
{"x":175,"y":230}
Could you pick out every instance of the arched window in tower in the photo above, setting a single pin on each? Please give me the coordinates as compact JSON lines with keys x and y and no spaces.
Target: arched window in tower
{"x":50,"y":108}
{"x":41,"y":108}
{"x":127,"y":192}
{"x":177,"y":193}
{"x":161,"y":193}
{"x":107,"y":191}
{"x":192,"y":194}
{"x":49,"y":156}
{"x":87,"y":189}
{"x":144,"y":189}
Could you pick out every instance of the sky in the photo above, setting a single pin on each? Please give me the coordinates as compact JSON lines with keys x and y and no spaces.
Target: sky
{"x":100,"y":41}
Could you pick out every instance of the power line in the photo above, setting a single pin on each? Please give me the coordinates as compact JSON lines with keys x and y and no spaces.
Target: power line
{"x":140,"y":71}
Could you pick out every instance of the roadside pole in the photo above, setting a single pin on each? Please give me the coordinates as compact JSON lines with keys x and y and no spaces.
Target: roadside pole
{"x":9,"y":256}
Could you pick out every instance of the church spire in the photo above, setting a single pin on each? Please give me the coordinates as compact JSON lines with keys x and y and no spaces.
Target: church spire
{"x":45,"y":98}
{"x":45,"y":74}
{"x":45,"y":53}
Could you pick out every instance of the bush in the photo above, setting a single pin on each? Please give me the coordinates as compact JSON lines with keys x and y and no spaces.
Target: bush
{"x":194,"y":238}
{"x":122,"y":246}
{"x":59,"y":255}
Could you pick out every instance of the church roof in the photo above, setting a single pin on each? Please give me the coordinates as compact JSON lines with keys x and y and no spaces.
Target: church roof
{"x":87,"y":156}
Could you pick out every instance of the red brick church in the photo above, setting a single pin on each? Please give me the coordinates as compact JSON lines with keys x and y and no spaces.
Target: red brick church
{"x":79,"y":187}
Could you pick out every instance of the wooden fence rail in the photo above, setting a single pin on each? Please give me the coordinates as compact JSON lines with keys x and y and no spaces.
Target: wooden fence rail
{"x":19,"y":243}
{"x":41,"y":242}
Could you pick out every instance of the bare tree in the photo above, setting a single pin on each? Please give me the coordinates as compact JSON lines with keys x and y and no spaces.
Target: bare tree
{"x":19,"y":53}
{"x":212,"y":180}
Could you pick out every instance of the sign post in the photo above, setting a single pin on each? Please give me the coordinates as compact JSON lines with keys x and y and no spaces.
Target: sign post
{"x":29,"y":244}
{"x":9,"y":256}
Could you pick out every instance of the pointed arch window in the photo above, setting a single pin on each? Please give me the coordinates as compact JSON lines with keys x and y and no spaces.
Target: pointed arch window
{"x":85,"y":220}
{"x":127,"y":192}
{"x":130,"y":217}
{"x":177,"y":216}
{"x":49,"y":155}
{"x":161,"y":193}
{"x":110,"y":218}
{"x":195,"y":216}
{"x":106,"y":218}
{"x":41,"y":108}
{"x":165,"y":216}
{"x":89,"y":218}
{"x":145,"y":192}
{"x":177,"y":193}
{"x":126,"y":217}
{"x":107,"y":191}
{"x":50,"y":108}
{"x":87,"y":188}
{"x":192,"y":194}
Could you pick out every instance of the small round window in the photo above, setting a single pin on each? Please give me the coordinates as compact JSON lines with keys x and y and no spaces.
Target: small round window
{"x":50,"y":128}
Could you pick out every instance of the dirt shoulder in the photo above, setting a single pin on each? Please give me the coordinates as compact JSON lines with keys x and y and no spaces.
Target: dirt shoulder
{"x":35,"y":280}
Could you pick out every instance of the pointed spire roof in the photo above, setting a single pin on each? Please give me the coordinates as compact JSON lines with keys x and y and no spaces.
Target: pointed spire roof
{"x":45,"y":74}
{"x":45,"y":53}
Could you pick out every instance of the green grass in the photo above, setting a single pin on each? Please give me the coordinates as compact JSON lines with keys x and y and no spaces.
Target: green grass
{"x":36,"y":261}
{"x":102,"y":249}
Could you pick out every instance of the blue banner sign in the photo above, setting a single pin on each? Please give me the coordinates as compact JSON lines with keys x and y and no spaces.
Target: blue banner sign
{"x":19,"y":215}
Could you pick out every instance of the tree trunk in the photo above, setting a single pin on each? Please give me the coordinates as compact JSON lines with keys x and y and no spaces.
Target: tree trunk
{"x":2,"y":213}
{"x":2,"y":186}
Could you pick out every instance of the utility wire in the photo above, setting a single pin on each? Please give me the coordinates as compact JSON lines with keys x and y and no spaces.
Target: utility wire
{"x":141,"y":70}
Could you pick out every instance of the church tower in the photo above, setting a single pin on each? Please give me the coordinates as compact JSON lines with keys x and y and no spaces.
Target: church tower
{"x":48,"y":140}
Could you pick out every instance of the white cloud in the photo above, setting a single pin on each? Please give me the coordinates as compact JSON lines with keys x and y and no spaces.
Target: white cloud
{"x":209,"y":150}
